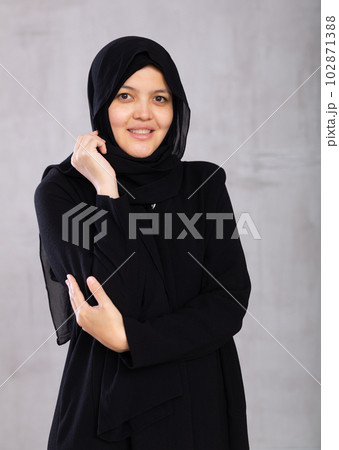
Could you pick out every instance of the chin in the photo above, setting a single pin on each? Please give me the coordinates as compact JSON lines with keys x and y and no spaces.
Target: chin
{"x":140,"y":153}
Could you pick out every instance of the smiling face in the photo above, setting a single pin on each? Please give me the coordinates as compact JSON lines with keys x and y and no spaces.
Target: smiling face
{"x":141,"y":112}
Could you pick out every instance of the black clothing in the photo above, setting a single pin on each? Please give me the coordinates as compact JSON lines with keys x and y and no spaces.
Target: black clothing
{"x":179,"y":387}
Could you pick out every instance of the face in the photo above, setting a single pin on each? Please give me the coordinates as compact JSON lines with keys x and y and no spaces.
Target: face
{"x":141,"y":112}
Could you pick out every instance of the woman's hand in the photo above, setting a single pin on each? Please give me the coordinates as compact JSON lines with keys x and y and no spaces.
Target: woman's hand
{"x":104,"y":322}
{"x":91,"y":164}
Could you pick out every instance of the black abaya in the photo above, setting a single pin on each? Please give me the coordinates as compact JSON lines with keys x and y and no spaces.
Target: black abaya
{"x":179,"y":387}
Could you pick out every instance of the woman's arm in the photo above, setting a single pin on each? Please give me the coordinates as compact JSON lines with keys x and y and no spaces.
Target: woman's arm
{"x":108,"y":258}
{"x":205,"y":322}
{"x":55,"y":198}
{"x":210,"y":319}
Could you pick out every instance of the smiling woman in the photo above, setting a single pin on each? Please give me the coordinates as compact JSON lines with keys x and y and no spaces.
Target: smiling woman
{"x":152,"y":363}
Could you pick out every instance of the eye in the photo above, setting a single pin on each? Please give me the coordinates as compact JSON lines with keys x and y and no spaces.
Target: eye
{"x":160,"y":99}
{"x":124,"y":96}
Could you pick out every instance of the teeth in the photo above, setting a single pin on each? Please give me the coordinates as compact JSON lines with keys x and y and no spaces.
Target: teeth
{"x":142,"y":131}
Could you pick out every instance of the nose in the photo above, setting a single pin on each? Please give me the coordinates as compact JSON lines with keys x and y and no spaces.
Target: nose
{"x":142,"y":111}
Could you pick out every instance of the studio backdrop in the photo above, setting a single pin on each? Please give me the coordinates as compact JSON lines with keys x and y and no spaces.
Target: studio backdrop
{"x":251,"y":75}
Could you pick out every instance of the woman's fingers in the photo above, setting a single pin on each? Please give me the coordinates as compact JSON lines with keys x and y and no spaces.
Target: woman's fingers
{"x":104,"y":322}
{"x":89,"y":143}
{"x":88,"y":159}
{"x":102,"y":146}
{"x":74,"y":291}
{"x":98,"y":291}
{"x":78,"y":302}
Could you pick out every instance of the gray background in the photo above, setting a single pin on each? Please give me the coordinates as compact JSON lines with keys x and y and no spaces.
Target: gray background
{"x":239,"y":61}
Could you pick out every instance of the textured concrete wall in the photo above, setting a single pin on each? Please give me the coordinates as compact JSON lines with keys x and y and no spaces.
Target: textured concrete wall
{"x":240,"y":61}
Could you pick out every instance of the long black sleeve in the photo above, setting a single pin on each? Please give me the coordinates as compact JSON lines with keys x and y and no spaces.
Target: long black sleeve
{"x":52,"y":200}
{"x":208,"y":320}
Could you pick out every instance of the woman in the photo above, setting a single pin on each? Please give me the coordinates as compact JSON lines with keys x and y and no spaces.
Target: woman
{"x":152,"y":301}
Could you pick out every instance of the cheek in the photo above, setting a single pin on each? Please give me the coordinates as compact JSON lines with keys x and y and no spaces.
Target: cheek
{"x":117,"y":117}
{"x":165,"y":119}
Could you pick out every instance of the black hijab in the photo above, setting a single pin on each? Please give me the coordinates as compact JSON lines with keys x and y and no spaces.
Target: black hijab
{"x":158,"y":176}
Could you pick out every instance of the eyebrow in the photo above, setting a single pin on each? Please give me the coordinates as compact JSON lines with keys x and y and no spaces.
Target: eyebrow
{"x":157,"y":91}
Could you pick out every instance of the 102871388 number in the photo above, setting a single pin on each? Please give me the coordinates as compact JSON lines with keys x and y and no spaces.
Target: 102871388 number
{"x":330,"y":50}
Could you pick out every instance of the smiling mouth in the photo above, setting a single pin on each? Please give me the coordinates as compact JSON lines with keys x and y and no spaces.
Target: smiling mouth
{"x":140,"y":131}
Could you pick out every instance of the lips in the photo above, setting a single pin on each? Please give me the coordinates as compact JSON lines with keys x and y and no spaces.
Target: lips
{"x":140,"y":130}
{"x":141,"y":133}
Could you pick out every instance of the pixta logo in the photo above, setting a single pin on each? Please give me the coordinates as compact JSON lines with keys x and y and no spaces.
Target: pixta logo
{"x":244,"y":221}
{"x":77,"y":222}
